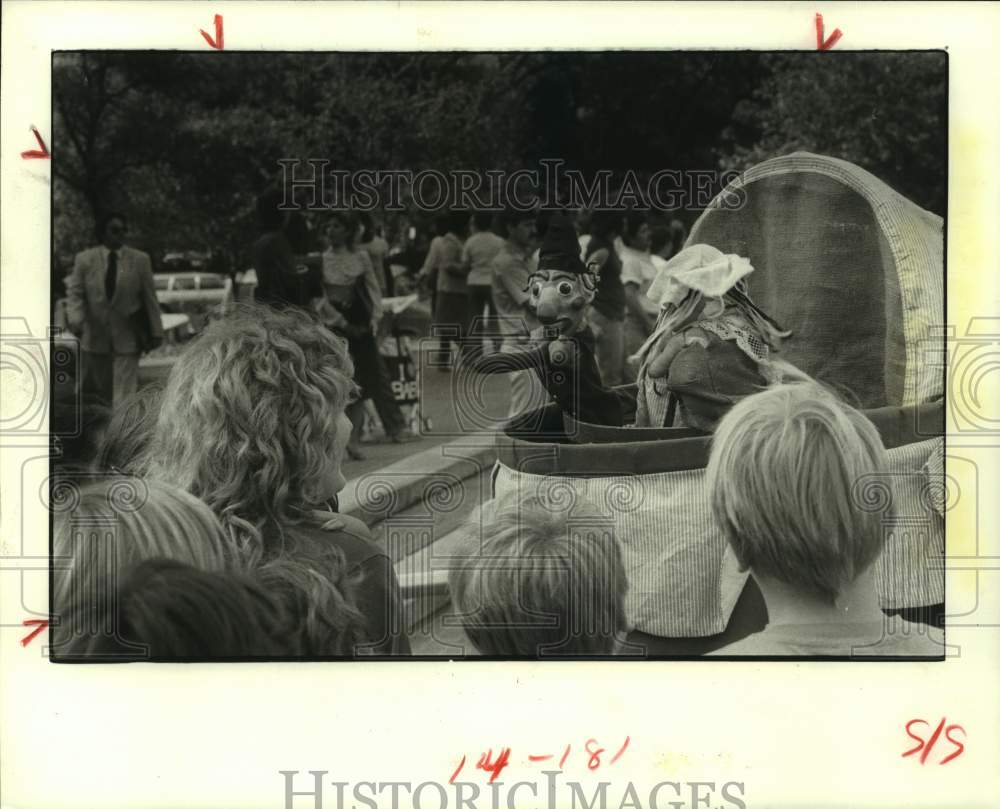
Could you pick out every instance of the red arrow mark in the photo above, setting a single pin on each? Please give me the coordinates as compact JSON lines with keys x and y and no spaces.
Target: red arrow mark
{"x":826,"y":44}
{"x":217,"y":42}
{"x":37,"y":154}
{"x":41,"y":627}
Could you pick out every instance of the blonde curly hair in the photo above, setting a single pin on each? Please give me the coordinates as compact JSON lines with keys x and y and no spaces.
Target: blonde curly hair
{"x":248,"y":421}
{"x":248,"y":424}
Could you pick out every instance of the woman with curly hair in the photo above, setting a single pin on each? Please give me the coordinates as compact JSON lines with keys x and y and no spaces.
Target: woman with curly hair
{"x":252,"y":421}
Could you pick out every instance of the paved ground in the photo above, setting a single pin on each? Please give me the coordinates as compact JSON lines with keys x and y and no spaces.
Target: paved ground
{"x":455,"y":405}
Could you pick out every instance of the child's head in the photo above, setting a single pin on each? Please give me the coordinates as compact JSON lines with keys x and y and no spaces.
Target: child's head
{"x":117,"y":522}
{"x":541,"y":583}
{"x":783,"y":478}
{"x":163,"y":609}
{"x":78,"y":429}
{"x":129,"y":433}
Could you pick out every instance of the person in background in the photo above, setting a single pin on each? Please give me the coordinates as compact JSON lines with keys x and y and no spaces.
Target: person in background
{"x":534,"y":587}
{"x":253,"y":422}
{"x":607,"y":312}
{"x":478,"y":253}
{"x":782,"y":478}
{"x":678,"y":235}
{"x":283,"y":279}
{"x":409,"y":257}
{"x":643,"y":312}
{"x":638,"y":272}
{"x":59,"y":268}
{"x":111,"y":305}
{"x":515,"y":318}
{"x":353,"y":308}
{"x":377,"y":249}
{"x":661,"y":248}
{"x":584,"y":220}
{"x":451,"y":300}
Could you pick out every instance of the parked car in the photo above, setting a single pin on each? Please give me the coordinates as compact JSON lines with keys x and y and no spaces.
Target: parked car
{"x":202,"y":287}
{"x":185,"y":261}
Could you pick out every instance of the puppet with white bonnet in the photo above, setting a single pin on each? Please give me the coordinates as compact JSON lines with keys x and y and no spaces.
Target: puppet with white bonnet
{"x":711,"y":345}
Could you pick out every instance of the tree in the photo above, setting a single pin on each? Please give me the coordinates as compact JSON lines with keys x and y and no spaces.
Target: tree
{"x":886,"y":112}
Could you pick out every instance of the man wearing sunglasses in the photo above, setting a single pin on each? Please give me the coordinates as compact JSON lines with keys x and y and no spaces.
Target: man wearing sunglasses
{"x":112,"y":307}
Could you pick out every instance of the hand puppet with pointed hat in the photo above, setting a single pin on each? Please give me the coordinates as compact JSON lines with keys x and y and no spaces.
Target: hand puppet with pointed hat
{"x":562,"y":354}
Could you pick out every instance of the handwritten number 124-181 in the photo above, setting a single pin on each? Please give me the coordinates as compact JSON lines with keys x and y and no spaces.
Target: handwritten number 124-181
{"x":914,"y":729}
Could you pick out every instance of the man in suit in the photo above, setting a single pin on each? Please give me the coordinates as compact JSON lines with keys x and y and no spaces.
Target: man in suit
{"x":112,"y":307}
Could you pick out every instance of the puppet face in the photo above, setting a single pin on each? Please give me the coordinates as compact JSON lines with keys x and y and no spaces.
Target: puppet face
{"x":560,"y":299}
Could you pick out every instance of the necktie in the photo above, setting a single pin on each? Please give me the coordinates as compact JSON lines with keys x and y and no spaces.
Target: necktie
{"x":112,"y":277}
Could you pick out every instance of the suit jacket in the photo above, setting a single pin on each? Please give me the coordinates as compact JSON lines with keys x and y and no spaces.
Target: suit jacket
{"x":104,"y":325}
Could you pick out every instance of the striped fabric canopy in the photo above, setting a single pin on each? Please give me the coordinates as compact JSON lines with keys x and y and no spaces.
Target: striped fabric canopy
{"x":854,"y":269}
{"x":683,"y":580}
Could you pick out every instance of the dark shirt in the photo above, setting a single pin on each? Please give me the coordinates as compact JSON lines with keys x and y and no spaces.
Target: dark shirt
{"x":376,"y":595}
{"x":610,"y":297}
{"x":579,"y":391}
{"x":278,"y":282}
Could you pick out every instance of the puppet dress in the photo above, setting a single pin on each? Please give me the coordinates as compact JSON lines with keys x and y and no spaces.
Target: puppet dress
{"x":711,"y":347}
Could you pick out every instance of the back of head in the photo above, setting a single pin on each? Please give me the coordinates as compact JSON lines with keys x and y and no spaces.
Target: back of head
{"x":78,"y":428}
{"x":541,"y":584}
{"x":164,"y":609}
{"x":249,"y":424}
{"x":105,"y":527}
{"x":783,"y":477}
{"x":129,"y":433}
{"x":248,"y":421}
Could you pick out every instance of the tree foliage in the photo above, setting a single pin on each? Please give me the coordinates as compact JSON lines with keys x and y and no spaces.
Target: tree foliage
{"x":884,"y":112}
{"x":182,"y":142}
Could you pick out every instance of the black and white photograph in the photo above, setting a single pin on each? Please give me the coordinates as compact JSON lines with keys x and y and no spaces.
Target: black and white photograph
{"x":513,"y":355}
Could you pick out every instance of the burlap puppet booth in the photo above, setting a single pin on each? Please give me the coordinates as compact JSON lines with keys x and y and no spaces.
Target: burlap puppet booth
{"x":856,"y":272}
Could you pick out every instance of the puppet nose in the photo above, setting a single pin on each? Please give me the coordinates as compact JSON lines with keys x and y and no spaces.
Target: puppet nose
{"x":548,"y":308}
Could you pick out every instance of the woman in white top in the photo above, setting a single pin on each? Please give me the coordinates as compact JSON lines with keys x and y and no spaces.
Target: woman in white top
{"x":352,"y":307}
